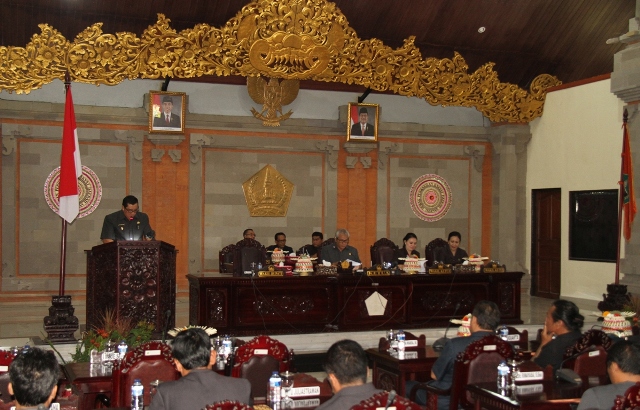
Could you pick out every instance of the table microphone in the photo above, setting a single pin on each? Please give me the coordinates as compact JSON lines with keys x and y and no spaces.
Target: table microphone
{"x":390,"y":398}
{"x":438,"y":345}
{"x":167,"y":319}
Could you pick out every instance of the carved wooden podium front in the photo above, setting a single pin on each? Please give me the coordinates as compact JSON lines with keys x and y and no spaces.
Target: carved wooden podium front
{"x":135,"y":279}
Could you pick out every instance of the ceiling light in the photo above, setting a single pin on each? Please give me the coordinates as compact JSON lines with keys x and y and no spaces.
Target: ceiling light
{"x":481,"y":29}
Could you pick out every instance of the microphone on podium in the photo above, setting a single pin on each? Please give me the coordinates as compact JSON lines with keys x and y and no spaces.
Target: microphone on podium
{"x":438,"y":345}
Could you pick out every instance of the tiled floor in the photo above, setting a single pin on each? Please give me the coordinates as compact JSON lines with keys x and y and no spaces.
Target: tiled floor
{"x":21,"y":323}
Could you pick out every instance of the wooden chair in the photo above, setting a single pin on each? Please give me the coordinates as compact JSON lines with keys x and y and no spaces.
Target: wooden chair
{"x":228,"y":405}
{"x":431,"y":247}
{"x":225,"y":258}
{"x":379,"y":400}
{"x":630,"y":400}
{"x":248,"y":251}
{"x":592,"y":362}
{"x":323,"y":244}
{"x":477,"y":364}
{"x":148,"y":362}
{"x":519,"y":340}
{"x":383,"y":250}
{"x":257,"y":359}
{"x":593,"y":337}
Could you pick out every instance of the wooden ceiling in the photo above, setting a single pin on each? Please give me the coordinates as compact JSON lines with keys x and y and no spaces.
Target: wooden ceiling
{"x":524,"y":38}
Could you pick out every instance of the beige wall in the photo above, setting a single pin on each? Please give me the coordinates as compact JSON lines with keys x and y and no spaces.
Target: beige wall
{"x":192,"y":190}
{"x":576,"y":145}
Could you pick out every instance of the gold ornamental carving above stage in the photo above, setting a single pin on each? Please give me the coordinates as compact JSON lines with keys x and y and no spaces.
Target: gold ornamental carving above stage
{"x":287,"y":39}
{"x":267,"y":193}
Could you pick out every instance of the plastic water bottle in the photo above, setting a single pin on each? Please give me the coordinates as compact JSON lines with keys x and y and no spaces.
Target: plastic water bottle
{"x":275,"y":385}
{"x":227,"y":343}
{"x":137,"y":395}
{"x":504,"y":333}
{"x":122,"y":349}
{"x":400,"y":336}
{"x":503,"y":375}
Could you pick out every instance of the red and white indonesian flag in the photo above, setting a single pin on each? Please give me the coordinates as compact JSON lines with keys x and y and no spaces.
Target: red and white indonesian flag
{"x":355,"y":117}
{"x":70,"y":166}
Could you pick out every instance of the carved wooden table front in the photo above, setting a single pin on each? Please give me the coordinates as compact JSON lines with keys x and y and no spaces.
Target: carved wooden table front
{"x":392,"y":373}
{"x":315,"y":304}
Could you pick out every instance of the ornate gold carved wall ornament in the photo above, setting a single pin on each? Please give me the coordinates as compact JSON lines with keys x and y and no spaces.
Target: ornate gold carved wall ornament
{"x":288,"y":39}
{"x":272,"y":95}
{"x":267,"y":193}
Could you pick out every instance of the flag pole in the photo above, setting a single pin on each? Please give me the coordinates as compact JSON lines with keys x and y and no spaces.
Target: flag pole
{"x":620,"y":200}
{"x":61,"y":323}
{"x":63,"y":242}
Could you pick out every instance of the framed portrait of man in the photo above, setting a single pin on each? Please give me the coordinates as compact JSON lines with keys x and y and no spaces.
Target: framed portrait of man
{"x":363,"y":122}
{"x":166,"y":112}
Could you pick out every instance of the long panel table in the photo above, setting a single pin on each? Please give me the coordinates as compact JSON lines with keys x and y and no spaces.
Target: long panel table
{"x":315,"y":304}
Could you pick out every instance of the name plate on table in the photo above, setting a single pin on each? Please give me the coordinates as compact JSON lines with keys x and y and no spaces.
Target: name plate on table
{"x":513,"y":338}
{"x":305,"y":391}
{"x":4,"y":368}
{"x":529,"y":389}
{"x":440,"y":271}
{"x":305,"y":404}
{"x":379,"y":272}
{"x":271,"y":273}
{"x":493,"y":267}
{"x":407,"y":355}
{"x":410,"y":343}
{"x":529,"y":376}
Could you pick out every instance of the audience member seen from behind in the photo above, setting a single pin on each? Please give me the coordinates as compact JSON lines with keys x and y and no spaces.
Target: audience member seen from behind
{"x":623,"y":366}
{"x":340,"y":251}
{"x":485,"y":320}
{"x":33,"y":379}
{"x":346,"y":367}
{"x":410,"y":242}
{"x":248,"y":234}
{"x":562,"y":328}
{"x":281,"y":243}
{"x":451,"y":254}
{"x":199,"y":385}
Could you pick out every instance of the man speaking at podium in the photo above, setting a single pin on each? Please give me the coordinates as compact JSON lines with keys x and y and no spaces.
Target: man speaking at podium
{"x":128,"y":224}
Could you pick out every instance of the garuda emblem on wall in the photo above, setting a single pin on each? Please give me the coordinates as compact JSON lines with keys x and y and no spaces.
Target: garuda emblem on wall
{"x":272,"y":95}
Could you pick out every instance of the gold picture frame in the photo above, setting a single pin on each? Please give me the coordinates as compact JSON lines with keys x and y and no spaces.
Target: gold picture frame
{"x":363,"y":128}
{"x":173,"y":123}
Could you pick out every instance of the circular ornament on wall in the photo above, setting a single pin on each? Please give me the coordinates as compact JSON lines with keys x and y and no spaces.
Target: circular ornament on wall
{"x":89,"y":191}
{"x":430,"y":197}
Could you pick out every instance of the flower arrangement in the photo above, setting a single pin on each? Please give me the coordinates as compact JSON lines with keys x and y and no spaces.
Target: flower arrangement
{"x":113,"y":330}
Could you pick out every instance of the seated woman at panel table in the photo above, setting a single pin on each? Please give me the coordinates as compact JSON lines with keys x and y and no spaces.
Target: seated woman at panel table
{"x":451,"y":254}
{"x":409,"y":248}
{"x":562,"y":328}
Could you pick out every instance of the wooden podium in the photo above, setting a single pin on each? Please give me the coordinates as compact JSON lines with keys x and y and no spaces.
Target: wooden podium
{"x":135,"y":279}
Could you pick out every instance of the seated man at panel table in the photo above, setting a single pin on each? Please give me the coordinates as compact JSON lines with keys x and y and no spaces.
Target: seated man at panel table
{"x":316,"y":241}
{"x":346,"y":367}
{"x":623,"y":366}
{"x":199,"y":385}
{"x":562,"y":328}
{"x":33,"y":379}
{"x":340,"y":250}
{"x":485,"y":320}
{"x":281,"y":243}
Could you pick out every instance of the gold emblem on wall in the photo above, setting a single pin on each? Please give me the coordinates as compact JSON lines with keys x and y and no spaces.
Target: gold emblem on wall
{"x":272,"y":95}
{"x":288,"y":39}
{"x":267,"y":193}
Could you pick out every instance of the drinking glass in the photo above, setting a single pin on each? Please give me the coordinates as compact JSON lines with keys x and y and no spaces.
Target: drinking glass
{"x":287,"y":385}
